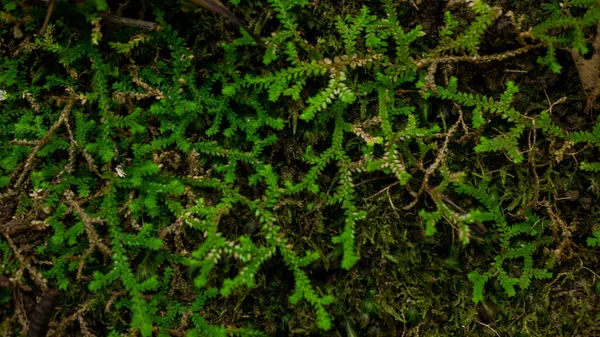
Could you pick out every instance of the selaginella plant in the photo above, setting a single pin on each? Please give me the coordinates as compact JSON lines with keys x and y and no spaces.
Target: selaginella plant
{"x":142,"y":152}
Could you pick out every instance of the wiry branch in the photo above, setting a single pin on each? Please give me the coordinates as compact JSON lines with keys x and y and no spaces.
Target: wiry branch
{"x":146,"y":25}
{"x":478,"y":59}
{"x":93,"y":237}
{"x":24,"y":263}
{"x":41,"y":143}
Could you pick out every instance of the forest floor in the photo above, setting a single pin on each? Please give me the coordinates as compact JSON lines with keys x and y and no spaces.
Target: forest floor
{"x":405,"y":283}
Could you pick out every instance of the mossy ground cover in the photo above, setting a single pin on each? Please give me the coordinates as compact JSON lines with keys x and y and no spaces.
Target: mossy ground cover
{"x":377,"y":168}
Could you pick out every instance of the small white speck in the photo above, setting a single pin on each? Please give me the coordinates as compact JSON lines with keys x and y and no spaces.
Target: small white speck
{"x":120,"y":171}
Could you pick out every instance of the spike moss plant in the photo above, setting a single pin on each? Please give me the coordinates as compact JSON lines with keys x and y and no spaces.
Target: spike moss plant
{"x":156,"y":174}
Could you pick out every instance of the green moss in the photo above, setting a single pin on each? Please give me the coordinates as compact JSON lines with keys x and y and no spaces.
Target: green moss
{"x":352,"y":178}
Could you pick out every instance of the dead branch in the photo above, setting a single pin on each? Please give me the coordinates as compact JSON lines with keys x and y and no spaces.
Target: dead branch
{"x":47,"y":19}
{"x":141,"y":24}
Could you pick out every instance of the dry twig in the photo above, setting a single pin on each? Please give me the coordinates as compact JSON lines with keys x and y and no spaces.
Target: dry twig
{"x":41,"y":143}
{"x":47,"y":19}
{"x":141,"y":24}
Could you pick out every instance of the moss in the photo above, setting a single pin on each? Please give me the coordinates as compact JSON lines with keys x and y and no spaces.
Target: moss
{"x":359,"y":176}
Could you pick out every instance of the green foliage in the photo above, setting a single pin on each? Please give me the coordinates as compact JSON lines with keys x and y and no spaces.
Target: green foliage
{"x":512,"y":248}
{"x":570,"y":27}
{"x":591,"y":139}
{"x":468,"y":40}
{"x":507,"y":142}
{"x":444,"y":211}
{"x":215,"y":247}
{"x":595,"y":240}
{"x":139,"y":156}
{"x":345,"y":196}
{"x":129,"y":46}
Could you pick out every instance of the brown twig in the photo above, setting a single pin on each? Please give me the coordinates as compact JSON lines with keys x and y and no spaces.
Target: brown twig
{"x":113,"y":297}
{"x":439,"y":160}
{"x":20,"y":313}
{"x":64,"y":324}
{"x":47,"y":19}
{"x":86,"y":154}
{"x":93,"y":237}
{"x":478,"y":59}
{"x":88,"y":223}
{"x":141,"y":24}
{"x":217,"y":7}
{"x":29,"y":162}
{"x":85,"y":329}
{"x":25,"y":264}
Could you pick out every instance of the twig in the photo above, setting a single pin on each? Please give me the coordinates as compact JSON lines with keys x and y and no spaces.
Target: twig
{"x":29,"y":162}
{"x":383,"y":190}
{"x":433,"y":62}
{"x":488,"y":326}
{"x":113,"y":297}
{"x":64,"y":324}
{"x":588,"y":269}
{"x":141,"y":24}
{"x":217,"y":7}
{"x":85,"y":330}
{"x":93,"y":237}
{"x":47,"y":19}
{"x":439,"y":159}
{"x":478,"y":59}
{"x":392,"y":203}
{"x":20,"y":311}
{"x":25,"y":264}
{"x":86,"y":154}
